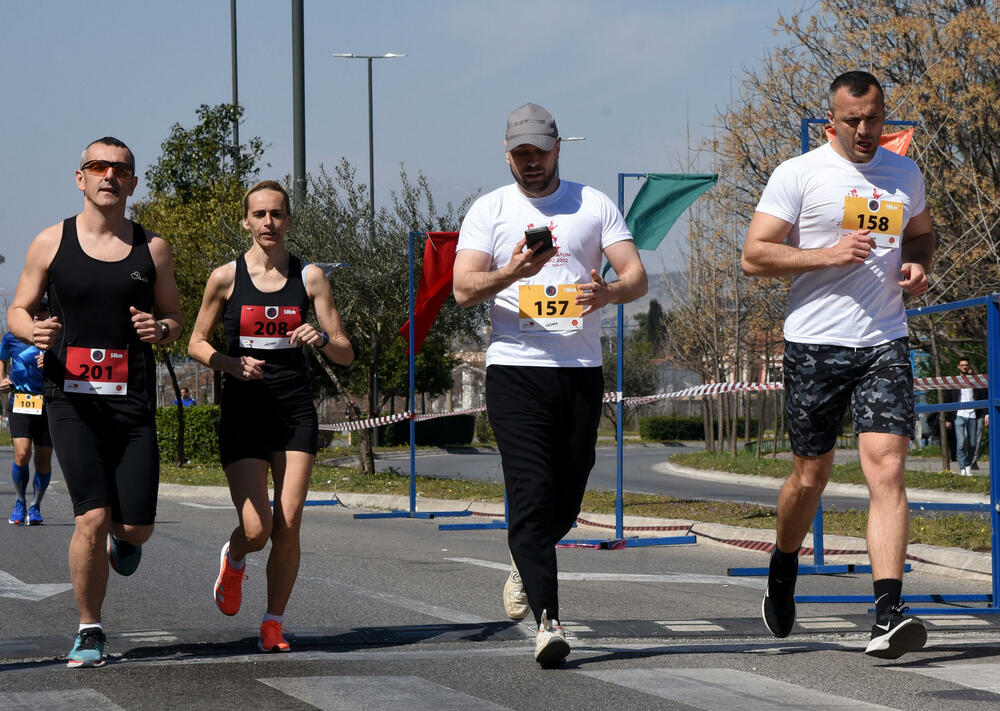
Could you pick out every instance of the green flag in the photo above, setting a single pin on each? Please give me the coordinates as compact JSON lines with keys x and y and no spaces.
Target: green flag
{"x":661,"y":200}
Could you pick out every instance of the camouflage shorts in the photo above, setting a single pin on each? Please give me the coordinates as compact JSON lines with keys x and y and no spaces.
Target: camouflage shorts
{"x":821,"y":380}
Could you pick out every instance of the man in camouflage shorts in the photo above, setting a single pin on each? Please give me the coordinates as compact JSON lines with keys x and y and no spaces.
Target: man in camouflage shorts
{"x":848,"y":221}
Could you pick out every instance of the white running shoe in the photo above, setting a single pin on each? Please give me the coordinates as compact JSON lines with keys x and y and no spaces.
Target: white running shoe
{"x":515,"y":599}
{"x":551,"y":646}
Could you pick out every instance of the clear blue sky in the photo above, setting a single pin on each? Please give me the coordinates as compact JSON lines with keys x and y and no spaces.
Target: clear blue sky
{"x":626,"y":75}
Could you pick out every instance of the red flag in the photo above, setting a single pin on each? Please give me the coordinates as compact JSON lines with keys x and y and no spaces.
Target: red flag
{"x":435,"y":285}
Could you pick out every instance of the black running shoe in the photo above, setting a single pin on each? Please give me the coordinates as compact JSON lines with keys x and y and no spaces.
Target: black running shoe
{"x":778,"y":607}
{"x":896,"y":635}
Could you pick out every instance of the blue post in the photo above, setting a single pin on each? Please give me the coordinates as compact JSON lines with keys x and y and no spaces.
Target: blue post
{"x":413,"y":396}
{"x":993,"y":383}
{"x":620,"y":485}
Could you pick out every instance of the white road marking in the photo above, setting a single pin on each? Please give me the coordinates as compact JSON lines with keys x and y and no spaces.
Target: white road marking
{"x":690,"y":626}
{"x":730,"y":689}
{"x":692,"y":578}
{"x":377,"y":693}
{"x":824,"y":623}
{"x":14,"y":588}
{"x":949,"y":620}
{"x":984,"y":677}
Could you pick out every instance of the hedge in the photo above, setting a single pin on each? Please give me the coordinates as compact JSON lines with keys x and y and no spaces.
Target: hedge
{"x":665,"y":429}
{"x":439,"y":432}
{"x":201,"y":426}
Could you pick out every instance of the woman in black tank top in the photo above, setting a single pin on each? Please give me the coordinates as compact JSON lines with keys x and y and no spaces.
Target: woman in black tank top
{"x":268,"y":419}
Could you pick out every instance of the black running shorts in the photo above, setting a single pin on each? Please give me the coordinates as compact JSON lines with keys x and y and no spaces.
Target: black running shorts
{"x":821,"y":381}
{"x":108,"y":455}
{"x":254,"y":423}
{"x":33,"y":427}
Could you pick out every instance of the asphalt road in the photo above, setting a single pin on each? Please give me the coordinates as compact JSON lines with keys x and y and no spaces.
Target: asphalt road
{"x":394,"y":613}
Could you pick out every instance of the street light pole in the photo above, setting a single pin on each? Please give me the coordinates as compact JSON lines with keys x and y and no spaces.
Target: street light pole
{"x":371,"y":182}
{"x":371,"y":127}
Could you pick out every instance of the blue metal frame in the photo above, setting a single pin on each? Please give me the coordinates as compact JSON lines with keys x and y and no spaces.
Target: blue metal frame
{"x":412,"y":512}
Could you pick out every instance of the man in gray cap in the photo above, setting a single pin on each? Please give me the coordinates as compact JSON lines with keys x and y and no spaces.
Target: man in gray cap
{"x":533,"y":250}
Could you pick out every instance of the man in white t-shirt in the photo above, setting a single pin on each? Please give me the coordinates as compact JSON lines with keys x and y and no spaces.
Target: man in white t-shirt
{"x":968,"y":422}
{"x":543,"y":363}
{"x":848,"y":222}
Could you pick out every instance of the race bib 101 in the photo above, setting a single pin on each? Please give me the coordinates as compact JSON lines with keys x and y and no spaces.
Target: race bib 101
{"x":268,"y":327}
{"x":96,"y":371}
{"x":27,"y":404}
{"x":548,"y":307}
{"x":883,"y":217}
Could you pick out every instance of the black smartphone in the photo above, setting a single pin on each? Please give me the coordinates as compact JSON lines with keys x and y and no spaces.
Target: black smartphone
{"x":539,"y":234}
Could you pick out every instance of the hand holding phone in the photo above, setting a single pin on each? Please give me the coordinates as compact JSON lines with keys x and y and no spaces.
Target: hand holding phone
{"x":539,"y":234}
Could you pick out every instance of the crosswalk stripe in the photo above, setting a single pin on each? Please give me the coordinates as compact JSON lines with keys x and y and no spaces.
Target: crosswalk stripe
{"x":377,"y":693}
{"x":68,"y":700}
{"x":730,"y":689}
{"x":984,"y":677}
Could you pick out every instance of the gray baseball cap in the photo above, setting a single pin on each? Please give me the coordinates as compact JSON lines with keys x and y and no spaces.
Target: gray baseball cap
{"x":533,"y":125}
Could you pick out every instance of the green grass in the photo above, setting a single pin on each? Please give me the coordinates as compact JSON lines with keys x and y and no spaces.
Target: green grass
{"x":5,"y":439}
{"x":850,"y":473}
{"x":969,"y":531}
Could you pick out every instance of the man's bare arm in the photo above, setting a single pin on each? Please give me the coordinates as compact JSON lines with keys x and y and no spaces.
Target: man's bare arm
{"x":474,"y":282}
{"x":766,"y":255}
{"x":30,"y":289}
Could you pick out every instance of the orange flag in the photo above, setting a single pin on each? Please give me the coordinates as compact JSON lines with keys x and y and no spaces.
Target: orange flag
{"x":897,"y":142}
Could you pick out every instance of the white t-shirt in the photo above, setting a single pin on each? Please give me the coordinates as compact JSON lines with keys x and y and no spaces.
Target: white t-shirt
{"x":822,"y":193}
{"x":966,"y":396}
{"x":583,"y":222}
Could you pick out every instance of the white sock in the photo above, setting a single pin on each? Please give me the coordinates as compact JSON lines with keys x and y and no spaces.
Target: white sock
{"x":85,"y":625}
{"x":236,"y":564}
{"x":268,"y":617}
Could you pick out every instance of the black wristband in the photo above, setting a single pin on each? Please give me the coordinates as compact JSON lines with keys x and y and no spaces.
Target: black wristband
{"x":164,"y":331}
{"x":326,"y":339}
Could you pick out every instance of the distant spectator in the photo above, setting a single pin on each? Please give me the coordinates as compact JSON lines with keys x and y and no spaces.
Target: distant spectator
{"x":186,"y":399}
{"x":967,"y":424}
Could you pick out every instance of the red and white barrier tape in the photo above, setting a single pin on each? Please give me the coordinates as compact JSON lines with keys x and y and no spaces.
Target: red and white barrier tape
{"x":949,"y":382}
{"x":355,"y":425}
{"x":435,"y":415}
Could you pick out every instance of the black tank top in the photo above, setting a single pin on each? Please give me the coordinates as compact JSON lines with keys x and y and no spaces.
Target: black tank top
{"x":91,"y":299}
{"x":257,"y":323}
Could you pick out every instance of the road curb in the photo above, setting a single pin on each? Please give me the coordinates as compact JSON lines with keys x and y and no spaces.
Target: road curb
{"x":949,"y":562}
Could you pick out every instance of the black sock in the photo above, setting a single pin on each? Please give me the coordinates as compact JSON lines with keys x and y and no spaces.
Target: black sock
{"x":784,"y":567}
{"x":887,"y":594}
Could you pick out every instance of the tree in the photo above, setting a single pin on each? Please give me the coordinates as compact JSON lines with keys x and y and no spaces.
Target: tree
{"x":932,"y":58}
{"x":333,"y":224}
{"x":195,"y":202}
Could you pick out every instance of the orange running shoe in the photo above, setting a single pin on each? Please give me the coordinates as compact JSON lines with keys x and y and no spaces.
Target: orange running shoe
{"x":229,"y":585}
{"x":271,"y":639}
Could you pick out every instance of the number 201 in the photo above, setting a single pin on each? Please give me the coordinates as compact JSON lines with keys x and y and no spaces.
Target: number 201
{"x":94,"y":372}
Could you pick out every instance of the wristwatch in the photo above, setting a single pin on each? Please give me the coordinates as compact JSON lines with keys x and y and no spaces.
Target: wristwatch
{"x":164,"y":330}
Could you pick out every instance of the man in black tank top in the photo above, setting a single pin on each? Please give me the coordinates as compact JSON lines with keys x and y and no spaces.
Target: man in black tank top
{"x":112,"y":293}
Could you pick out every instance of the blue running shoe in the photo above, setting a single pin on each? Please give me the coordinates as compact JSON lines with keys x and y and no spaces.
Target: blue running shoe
{"x":17,"y":515}
{"x":34,"y":516}
{"x":88,"y":651}
{"x":123,"y":555}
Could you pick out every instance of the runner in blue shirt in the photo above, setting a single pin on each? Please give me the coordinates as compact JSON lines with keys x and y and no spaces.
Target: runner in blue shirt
{"x":21,"y":376}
